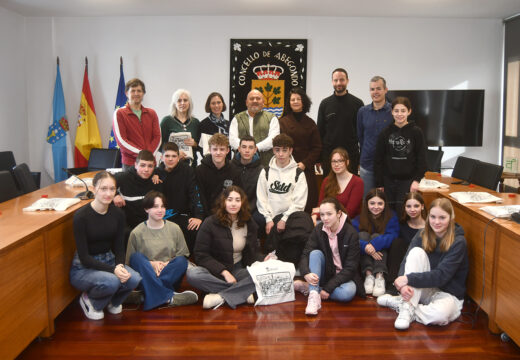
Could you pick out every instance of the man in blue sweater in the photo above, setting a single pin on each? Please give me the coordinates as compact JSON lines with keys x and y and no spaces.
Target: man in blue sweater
{"x":371,"y":120}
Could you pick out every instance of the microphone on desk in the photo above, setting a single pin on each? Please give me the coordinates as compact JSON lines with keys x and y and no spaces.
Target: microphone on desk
{"x":84,"y":195}
{"x":516,"y":217}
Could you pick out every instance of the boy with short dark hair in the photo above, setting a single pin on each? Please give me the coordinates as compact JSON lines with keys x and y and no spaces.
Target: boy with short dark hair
{"x":132,"y":186}
{"x":281,"y":196}
{"x":183,"y":205}
{"x":216,"y":172}
{"x":248,"y":162}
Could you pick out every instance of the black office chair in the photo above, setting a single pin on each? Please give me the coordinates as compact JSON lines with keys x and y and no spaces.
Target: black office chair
{"x":487,"y":175}
{"x":100,"y":159}
{"x":7,"y":161}
{"x":434,"y":160}
{"x":464,"y":168}
{"x":23,"y":177}
{"x":8,"y":186}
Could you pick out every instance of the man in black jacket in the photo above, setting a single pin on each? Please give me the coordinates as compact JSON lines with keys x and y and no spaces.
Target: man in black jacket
{"x":132,"y":185}
{"x":337,"y":122}
{"x":183,"y":205}
{"x":216,"y":172}
{"x":248,"y":161}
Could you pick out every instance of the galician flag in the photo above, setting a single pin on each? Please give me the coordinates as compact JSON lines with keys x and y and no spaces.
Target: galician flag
{"x":121,"y":100}
{"x":87,"y":132}
{"x":58,"y":151}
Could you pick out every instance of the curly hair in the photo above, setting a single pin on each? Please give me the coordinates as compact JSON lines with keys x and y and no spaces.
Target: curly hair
{"x":221,"y":213}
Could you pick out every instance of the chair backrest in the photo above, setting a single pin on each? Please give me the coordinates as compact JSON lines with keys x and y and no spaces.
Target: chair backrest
{"x":7,"y":160}
{"x":487,"y":175}
{"x":101,"y":159}
{"x":464,"y":168}
{"x":8,"y":187}
{"x":434,"y":160}
{"x":23,"y":177}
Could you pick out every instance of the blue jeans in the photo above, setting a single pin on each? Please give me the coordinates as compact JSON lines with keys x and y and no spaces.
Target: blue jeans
{"x":158,"y":289}
{"x":344,"y":293}
{"x":102,"y":287}
{"x":369,"y":180}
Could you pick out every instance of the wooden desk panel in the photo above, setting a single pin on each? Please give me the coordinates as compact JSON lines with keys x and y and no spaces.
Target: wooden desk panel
{"x":502,"y":281}
{"x":36,"y":250}
{"x":23,"y":296}
{"x":507,"y":280}
{"x":474,"y":233}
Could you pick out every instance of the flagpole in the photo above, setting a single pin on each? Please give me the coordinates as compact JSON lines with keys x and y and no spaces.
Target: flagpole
{"x":86,"y":64}
{"x":58,"y":60}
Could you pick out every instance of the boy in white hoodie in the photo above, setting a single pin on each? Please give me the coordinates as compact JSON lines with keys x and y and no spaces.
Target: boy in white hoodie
{"x":281,"y":196}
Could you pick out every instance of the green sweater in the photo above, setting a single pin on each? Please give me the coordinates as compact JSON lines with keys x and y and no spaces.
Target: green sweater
{"x":170,"y":124}
{"x":157,"y":244}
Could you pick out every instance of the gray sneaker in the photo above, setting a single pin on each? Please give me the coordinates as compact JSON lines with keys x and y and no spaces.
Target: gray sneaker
{"x":136,"y":297}
{"x":187,"y":297}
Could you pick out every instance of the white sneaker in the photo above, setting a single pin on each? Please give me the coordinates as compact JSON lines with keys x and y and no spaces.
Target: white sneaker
{"x":369,"y":284}
{"x":406,"y":316}
{"x":88,"y":309}
{"x":212,"y":301}
{"x":250,"y":299}
{"x":390,"y":301}
{"x":114,"y":309}
{"x":379,"y":286}
{"x":313,"y":303}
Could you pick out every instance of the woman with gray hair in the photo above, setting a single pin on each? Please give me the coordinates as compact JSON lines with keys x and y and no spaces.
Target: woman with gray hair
{"x":181,"y":120}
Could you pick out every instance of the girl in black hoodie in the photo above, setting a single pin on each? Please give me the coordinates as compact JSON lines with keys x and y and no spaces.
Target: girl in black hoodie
{"x":400,"y":160}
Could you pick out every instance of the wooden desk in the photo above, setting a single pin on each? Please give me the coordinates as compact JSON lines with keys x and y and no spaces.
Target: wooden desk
{"x":502,"y":244}
{"x":36,"y":250}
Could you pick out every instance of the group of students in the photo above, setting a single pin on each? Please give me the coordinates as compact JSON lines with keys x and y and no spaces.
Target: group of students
{"x":218,"y":211}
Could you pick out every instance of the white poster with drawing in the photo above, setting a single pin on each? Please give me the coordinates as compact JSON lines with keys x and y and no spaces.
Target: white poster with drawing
{"x":273,"y":281}
{"x":178,"y":138}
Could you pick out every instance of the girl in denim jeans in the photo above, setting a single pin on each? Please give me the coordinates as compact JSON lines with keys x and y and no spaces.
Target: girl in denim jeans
{"x":98,"y":268}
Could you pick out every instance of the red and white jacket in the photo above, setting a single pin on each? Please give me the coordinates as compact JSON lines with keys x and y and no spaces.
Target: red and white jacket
{"x":133,"y":135}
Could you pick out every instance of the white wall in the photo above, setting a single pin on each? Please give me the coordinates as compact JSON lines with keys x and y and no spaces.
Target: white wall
{"x":13,"y":118}
{"x":193,"y":53}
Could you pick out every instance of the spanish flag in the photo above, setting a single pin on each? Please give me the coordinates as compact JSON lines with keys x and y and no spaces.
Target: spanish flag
{"x":87,"y":132}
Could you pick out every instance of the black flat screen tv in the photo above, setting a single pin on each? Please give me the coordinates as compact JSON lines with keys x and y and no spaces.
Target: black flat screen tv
{"x":447,"y":117}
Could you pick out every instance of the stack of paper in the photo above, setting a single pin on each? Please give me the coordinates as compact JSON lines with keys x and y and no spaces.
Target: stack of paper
{"x":474,"y":197}
{"x":59,"y":204}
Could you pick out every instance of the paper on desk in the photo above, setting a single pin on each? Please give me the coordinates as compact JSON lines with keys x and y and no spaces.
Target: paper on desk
{"x":426,"y":184}
{"x":74,"y":181}
{"x":474,"y":197}
{"x":501,"y":211}
{"x":58,"y":204}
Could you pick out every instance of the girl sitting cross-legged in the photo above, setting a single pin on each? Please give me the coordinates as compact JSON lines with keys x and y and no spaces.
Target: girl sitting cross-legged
{"x":330,"y":259}
{"x":158,"y":251}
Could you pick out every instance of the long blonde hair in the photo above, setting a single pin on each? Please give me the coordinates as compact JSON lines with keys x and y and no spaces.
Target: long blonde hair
{"x":429,"y":242}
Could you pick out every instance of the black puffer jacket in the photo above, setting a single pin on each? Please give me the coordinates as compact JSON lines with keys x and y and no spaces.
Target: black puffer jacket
{"x":348,"y":246}
{"x":214,"y":246}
